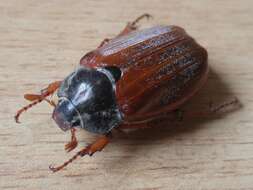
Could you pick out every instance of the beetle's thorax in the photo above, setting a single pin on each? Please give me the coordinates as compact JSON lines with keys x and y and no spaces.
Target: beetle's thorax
{"x":87,"y":100}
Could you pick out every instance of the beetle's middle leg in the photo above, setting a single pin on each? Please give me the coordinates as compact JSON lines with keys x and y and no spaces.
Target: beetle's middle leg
{"x":211,"y":112}
{"x":181,"y":115}
{"x":37,"y":98}
{"x":131,"y":26}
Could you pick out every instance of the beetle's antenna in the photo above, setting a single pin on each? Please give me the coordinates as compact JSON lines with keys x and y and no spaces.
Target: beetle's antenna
{"x":39,"y":98}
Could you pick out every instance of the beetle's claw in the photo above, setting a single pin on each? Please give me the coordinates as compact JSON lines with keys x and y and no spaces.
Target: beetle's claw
{"x":146,"y":15}
{"x":53,"y":169}
{"x":71,"y":146}
{"x":16,"y":119}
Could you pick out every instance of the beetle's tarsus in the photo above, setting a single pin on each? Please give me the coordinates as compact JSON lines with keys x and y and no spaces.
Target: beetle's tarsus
{"x":16,"y":119}
{"x":98,"y":145}
{"x":146,"y":15}
{"x":218,"y":108}
{"x":214,"y":111}
{"x":104,"y":42}
{"x":132,"y":26}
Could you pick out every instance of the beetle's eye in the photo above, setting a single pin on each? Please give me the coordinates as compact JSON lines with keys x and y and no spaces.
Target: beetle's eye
{"x":115,"y":71}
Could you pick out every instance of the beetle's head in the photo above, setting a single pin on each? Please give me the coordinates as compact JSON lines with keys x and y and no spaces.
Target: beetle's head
{"x":87,"y":100}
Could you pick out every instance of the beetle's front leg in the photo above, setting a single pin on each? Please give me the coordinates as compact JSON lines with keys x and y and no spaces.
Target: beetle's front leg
{"x":37,"y":98}
{"x":73,"y":142}
{"x":98,"y":145}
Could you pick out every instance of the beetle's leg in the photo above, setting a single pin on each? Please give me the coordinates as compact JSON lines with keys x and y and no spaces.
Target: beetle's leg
{"x":39,"y":98}
{"x":105,"y":41}
{"x":180,"y":115}
{"x":131,"y":26}
{"x":216,"y":109}
{"x":51,"y":102}
{"x":34,"y":97}
{"x":98,"y":145}
{"x":73,"y":143}
{"x":145,"y":15}
{"x":211,"y":112}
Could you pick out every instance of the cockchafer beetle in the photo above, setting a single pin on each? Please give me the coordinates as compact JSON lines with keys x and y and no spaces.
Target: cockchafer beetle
{"x":127,"y":83}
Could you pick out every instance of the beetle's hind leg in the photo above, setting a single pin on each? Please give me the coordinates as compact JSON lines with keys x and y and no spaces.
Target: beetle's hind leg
{"x":213,"y":111}
{"x":73,"y":142}
{"x":37,"y":98}
{"x":105,"y":41}
{"x":138,"y":19}
{"x":178,"y":116}
{"x":131,"y":26}
{"x":98,"y":145}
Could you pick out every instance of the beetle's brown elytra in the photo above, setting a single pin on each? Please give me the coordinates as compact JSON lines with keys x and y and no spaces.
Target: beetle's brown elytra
{"x":163,"y":63}
{"x":128,"y":82}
